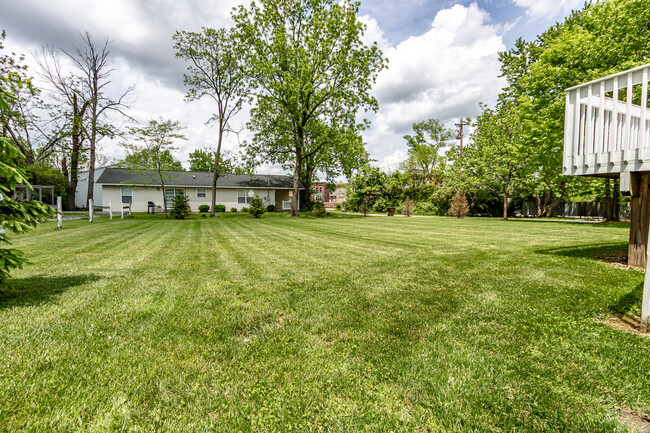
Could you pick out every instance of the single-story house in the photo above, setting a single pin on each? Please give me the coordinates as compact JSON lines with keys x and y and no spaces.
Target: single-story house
{"x":139,"y":187}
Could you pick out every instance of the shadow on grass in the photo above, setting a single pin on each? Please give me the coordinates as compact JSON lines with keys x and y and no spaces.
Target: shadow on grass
{"x":39,"y":289}
{"x":629,"y":302}
{"x":587,"y":251}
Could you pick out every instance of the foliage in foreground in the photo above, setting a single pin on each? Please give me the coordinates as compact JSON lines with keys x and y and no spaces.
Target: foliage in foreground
{"x":15,"y":216}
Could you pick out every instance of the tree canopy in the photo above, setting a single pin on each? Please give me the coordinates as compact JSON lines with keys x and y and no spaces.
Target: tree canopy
{"x":309,"y":69}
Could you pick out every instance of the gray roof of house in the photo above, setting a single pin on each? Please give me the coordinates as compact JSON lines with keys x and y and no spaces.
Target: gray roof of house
{"x":124,"y":176}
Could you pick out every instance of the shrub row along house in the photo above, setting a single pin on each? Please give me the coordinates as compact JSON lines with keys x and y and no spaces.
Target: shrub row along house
{"x":138,"y":188}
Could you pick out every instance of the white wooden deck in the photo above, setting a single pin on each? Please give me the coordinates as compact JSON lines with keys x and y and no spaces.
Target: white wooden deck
{"x":607,"y":125}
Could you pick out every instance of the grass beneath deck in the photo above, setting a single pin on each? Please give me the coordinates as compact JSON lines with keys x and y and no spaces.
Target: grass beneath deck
{"x":341,"y":324}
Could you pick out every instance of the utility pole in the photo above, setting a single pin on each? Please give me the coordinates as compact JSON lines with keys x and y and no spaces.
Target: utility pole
{"x":459,"y":135}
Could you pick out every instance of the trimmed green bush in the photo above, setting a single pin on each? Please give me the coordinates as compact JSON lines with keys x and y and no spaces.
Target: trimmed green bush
{"x":270,"y":208}
{"x":244,"y":209}
{"x":257,"y":207}
{"x":220,"y":208}
{"x":204,"y":208}
{"x":233,"y":209}
{"x":318,"y":209}
{"x":338,"y":206}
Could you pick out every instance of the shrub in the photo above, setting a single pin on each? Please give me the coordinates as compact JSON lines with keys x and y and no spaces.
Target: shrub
{"x":233,"y":209}
{"x":380,"y":205}
{"x":318,"y":208}
{"x":180,"y":206}
{"x":244,"y":209}
{"x":338,"y":206}
{"x":220,"y":208}
{"x":257,"y":207}
{"x":426,"y":208}
{"x":270,"y":208}
{"x":204,"y":208}
{"x":459,"y":206}
{"x":408,"y":207}
{"x":365,"y":205}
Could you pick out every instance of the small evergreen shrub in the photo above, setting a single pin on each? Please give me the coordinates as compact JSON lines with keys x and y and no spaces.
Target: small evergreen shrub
{"x":220,"y":208}
{"x":257,"y":208}
{"x":180,"y":206}
{"x":233,"y":209}
{"x":204,"y":208}
{"x":459,"y":206}
{"x":318,"y":208}
{"x":270,"y":208}
{"x":338,"y":206}
{"x":244,"y":209}
{"x":364,"y":208}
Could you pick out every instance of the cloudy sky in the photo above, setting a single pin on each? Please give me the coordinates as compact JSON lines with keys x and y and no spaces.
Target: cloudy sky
{"x":442,"y":56}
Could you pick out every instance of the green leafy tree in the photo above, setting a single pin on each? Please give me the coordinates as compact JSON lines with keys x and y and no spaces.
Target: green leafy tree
{"x":153,"y":145}
{"x":310,"y":68}
{"x":180,"y":206}
{"x":366,"y":186}
{"x":216,"y":71}
{"x":498,"y":159}
{"x":203,"y":160}
{"x":601,"y":39}
{"x":425,"y":161}
{"x":257,"y":208}
{"x":15,"y":216}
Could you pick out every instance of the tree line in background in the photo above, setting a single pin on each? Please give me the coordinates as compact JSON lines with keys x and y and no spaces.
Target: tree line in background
{"x":516,"y":146}
{"x":301,"y":65}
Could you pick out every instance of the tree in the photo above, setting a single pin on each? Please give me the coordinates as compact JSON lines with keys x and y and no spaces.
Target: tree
{"x":459,"y":206}
{"x":180,"y":206}
{"x":602,"y":39}
{"x":408,"y":207}
{"x":204,"y":160}
{"x":14,"y":215}
{"x":154,"y":142}
{"x":498,"y":159}
{"x":147,"y":158}
{"x":308,"y":63}
{"x":215,"y":71}
{"x":366,"y":185}
{"x":257,"y":208}
{"x":425,"y":162}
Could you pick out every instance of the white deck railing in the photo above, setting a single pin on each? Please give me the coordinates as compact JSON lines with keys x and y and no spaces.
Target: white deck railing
{"x":605,"y":133}
{"x":286,"y":205}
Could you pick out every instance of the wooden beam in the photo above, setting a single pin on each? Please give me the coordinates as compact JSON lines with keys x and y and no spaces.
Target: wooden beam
{"x":639,"y":222}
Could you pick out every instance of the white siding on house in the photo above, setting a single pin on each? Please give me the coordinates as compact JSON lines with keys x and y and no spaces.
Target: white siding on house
{"x":81,"y":193}
{"x":142,"y":196}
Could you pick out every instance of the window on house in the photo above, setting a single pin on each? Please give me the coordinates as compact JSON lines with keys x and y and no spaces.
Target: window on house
{"x":245,"y":196}
{"x":170,"y":193}
{"x":200,"y":193}
{"x":127,"y":195}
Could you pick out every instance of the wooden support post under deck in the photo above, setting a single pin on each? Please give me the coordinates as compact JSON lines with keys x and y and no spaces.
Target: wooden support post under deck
{"x":639,"y":221}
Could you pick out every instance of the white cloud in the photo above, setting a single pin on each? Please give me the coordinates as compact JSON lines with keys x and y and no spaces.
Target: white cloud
{"x":548,"y":8}
{"x":443,"y":73}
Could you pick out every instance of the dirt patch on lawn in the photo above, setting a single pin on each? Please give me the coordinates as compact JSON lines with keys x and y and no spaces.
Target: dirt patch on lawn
{"x":618,"y":260}
{"x":626,"y":323}
{"x":635,"y":422}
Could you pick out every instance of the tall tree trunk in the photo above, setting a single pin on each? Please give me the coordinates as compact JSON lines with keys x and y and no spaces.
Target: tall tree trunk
{"x":215,"y":174}
{"x":609,"y":205}
{"x":162,"y":184}
{"x":615,"y":199}
{"x":77,"y":138}
{"x":296,"y":181}
{"x":506,"y":193}
{"x":308,"y":175}
{"x":91,"y":162}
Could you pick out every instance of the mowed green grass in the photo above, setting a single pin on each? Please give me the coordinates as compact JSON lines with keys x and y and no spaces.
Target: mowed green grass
{"x":341,"y":324}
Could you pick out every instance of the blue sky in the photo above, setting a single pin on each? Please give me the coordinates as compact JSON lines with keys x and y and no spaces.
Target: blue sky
{"x":443,"y":57}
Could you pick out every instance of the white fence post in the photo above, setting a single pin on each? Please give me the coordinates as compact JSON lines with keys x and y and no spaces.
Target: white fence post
{"x":122,"y":211}
{"x":110,"y":211}
{"x":90,"y":210}
{"x":129,"y":209}
{"x":59,"y":209}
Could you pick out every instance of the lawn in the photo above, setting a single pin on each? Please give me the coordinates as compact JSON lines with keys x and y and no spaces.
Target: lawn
{"x":341,"y":324}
